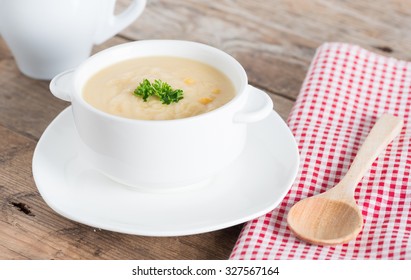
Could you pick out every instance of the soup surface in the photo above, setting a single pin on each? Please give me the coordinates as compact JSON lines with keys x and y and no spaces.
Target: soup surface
{"x":204,"y":88}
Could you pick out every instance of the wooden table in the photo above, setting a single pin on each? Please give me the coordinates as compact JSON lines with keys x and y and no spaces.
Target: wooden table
{"x":274,"y":41}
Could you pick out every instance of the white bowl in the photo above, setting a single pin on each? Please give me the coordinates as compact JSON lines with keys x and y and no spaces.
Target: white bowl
{"x":169,"y":153}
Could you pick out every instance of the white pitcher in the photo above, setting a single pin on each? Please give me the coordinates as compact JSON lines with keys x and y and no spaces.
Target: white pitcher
{"x":47,"y":37}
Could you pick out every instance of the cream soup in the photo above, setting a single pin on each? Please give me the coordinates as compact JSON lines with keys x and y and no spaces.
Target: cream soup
{"x":204,"y":87}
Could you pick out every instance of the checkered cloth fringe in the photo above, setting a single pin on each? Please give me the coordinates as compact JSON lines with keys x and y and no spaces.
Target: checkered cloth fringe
{"x":345,"y":91}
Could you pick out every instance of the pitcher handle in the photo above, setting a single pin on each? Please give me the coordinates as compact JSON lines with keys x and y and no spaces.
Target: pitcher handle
{"x":114,"y":24}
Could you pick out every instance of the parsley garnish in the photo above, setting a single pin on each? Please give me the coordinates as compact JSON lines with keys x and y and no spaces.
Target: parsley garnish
{"x":158,"y":88}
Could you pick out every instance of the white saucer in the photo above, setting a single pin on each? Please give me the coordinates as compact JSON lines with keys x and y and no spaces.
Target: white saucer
{"x":252,"y":186}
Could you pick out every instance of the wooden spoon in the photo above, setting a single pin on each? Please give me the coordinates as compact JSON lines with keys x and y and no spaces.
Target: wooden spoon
{"x":333,"y":217}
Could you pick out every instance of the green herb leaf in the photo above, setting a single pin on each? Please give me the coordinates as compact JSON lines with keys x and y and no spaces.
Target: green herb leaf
{"x":162,"y":90}
{"x":144,"y":90}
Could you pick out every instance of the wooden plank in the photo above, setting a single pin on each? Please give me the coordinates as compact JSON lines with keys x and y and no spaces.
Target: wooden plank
{"x":26,"y":105}
{"x":275,"y":40}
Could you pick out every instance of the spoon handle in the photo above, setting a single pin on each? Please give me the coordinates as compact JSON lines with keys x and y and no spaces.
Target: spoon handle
{"x":383,"y":132}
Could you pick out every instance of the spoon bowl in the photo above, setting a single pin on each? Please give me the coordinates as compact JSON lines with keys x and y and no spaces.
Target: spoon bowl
{"x":325,"y":221}
{"x":333,"y":217}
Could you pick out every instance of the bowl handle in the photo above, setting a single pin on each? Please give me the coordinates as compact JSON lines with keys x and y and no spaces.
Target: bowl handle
{"x":61,"y":84}
{"x":259,"y":105}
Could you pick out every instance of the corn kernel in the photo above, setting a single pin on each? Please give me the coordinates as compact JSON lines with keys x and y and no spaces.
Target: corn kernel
{"x":188,"y":81}
{"x":205,"y":100}
{"x":216,"y":91}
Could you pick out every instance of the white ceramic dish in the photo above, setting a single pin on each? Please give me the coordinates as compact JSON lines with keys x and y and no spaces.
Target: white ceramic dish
{"x":187,"y":150}
{"x":252,"y":186}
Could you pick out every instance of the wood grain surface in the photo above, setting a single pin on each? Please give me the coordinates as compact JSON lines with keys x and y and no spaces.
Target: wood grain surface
{"x":274,"y":41}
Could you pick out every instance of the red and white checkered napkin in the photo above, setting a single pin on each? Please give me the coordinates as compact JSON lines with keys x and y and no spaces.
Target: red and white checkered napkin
{"x":346,"y":90}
